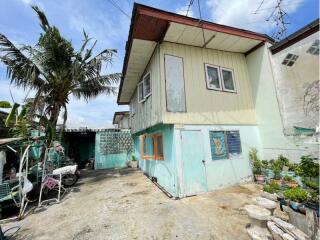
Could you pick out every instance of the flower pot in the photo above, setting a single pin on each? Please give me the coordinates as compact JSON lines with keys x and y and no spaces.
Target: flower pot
{"x":295,"y":205}
{"x":277,"y":181}
{"x":292,"y":184}
{"x":134,"y":164}
{"x":259,"y":178}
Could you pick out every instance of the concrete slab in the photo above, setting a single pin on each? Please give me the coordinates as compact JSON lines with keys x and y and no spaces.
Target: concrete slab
{"x":124,"y":204}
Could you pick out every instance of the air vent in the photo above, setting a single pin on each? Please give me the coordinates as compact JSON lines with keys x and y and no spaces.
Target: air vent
{"x":314,"y":49}
{"x":290,"y":59}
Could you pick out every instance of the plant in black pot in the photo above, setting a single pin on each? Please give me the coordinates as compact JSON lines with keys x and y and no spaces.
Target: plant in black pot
{"x":256,"y":165}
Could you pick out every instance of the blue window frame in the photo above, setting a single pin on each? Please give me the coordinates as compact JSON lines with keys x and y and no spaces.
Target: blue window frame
{"x":224,"y":144}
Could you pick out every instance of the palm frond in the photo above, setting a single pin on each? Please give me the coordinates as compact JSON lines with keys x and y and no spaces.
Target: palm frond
{"x":44,"y":24}
{"x":20,"y":69}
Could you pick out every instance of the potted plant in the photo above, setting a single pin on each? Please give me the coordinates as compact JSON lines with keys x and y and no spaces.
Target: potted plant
{"x":256,"y":165}
{"x":276,"y":166}
{"x":288,"y":180}
{"x":133,"y":162}
{"x":296,"y":197}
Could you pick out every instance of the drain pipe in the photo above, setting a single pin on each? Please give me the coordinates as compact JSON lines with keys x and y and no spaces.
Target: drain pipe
{"x":155,"y":182}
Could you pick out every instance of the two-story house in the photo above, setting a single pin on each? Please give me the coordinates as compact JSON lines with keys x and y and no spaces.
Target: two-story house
{"x":195,"y":89}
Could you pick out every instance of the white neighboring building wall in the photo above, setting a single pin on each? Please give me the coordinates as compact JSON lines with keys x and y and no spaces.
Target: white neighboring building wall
{"x":293,"y":81}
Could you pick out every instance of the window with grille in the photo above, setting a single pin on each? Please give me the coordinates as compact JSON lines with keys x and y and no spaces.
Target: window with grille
{"x":314,"y":49}
{"x":224,"y":144}
{"x":290,"y":59}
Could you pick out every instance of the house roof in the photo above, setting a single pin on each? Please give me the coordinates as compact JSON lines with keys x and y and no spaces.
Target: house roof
{"x":296,"y":36}
{"x":150,"y":26}
{"x":118,"y":116}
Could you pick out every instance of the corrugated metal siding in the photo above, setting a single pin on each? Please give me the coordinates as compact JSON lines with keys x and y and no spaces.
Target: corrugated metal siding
{"x":148,"y":113}
{"x":208,"y":106}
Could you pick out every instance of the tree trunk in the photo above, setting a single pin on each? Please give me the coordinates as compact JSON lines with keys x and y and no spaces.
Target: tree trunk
{"x":51,"y":128}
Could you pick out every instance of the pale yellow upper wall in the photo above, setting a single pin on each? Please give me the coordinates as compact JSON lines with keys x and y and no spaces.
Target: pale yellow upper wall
{"x":148,"y":113}
{"x":208,"y":106}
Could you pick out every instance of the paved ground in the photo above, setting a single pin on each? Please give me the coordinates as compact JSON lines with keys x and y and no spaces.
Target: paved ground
{"x":124,"y":204}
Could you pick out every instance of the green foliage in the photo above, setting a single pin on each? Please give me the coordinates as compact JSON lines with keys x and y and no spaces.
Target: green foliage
{"x":308,"y":167}
{"x":287,"y":178}
{"x":296,"y":194}
{"x":311,"y":184}
{"x":255,"y":162}
{"x":314,"y":196}
{"x":18,"y":120}
{"x":55,"y":71}
{"x":283,"y":161}
{"x":5,"y":104}
{"x":265,"y":163}
{"x":271,"y":188}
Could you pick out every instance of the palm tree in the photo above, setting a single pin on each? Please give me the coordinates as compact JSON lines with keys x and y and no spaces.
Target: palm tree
{"x":55,"y":70}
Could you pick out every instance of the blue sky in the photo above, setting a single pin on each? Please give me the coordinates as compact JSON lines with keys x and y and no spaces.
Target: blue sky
{"x":109,"y":26}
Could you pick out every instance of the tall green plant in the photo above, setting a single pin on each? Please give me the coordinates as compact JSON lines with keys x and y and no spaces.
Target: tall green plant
{"x":55,"y":70}
{"x":255,"y":162}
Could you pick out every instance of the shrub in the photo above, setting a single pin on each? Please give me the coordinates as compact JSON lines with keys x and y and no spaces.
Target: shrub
{"x":309,"y":167}
{"x":255,"y":162}
{"x":311,"y":184}
{"x":296,"y":194}
{"x":271,"y":188}
{"x":287,"y":178}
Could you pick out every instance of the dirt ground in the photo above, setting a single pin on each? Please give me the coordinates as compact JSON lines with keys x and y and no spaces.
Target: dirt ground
{"x":124,"y":204}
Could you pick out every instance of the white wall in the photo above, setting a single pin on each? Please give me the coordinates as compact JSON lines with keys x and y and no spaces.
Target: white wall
{"x":268,"y":114}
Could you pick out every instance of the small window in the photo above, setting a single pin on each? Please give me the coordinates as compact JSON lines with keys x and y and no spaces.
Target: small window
{"x":290,"y":59}
{"x":213,"y":77}
{"x":147,"y":85}
{"x":224,"y":144}
{"x":314,"y":49}
{"x":233,"y":142}
{"x":228,"y":80}
{"x":140,"y":92}
{"x":151,"y":146}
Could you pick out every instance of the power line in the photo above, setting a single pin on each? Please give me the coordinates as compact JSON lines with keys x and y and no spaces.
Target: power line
{"x":200,"y":17}
{"x":255,"y":12}
{"x":119,"y":8}
{"x":189,"y":6}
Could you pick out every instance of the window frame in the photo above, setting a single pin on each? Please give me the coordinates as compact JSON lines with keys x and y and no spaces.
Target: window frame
{"x":233,"y":80}
{"x":229,"y":155}
{"x":140,"y":84}
{"x":155,"y":155}
{"x":143,"y":80}
{"x":206,"y":65}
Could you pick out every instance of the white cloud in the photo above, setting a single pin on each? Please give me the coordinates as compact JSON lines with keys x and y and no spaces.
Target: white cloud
{"x":241,"y":13}
{"x":184,"y":9}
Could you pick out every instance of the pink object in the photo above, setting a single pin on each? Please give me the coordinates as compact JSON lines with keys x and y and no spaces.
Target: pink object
{"x":50,"y":183}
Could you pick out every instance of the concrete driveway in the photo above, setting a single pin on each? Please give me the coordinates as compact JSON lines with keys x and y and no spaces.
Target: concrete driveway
{"x":124,"y":204}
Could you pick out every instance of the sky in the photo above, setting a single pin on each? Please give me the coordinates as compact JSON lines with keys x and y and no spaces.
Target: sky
{"x":109,"y":25}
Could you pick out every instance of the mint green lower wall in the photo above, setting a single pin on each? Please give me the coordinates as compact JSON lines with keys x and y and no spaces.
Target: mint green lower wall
{"x":172,"y":173}
{"x":163,"y":170}
{"x":104,"y":161}
{"x":225,"y":172}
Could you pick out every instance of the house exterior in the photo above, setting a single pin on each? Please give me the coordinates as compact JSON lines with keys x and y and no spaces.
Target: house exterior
{"x":196,"y":91}
{"x":121,"y":120}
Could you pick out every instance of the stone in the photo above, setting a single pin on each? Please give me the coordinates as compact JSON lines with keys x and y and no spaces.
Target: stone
{"x":257,"y":212}
{"x":258,"y":233}
{"x":266,"y":203}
